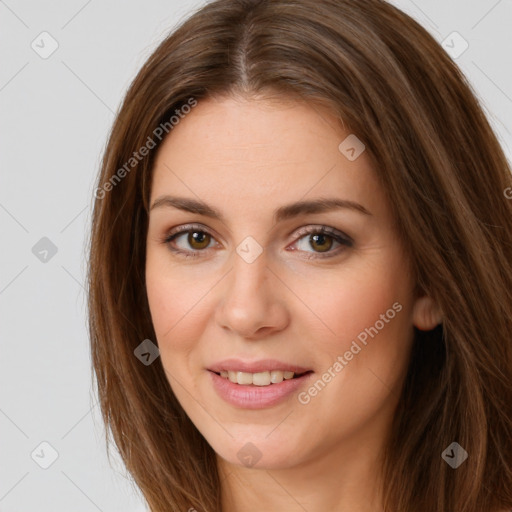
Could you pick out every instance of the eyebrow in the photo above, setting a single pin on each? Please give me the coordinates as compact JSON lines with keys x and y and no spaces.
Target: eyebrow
{"x":283,"y":213}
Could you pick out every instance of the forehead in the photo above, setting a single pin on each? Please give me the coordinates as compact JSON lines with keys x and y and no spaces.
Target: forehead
{"x":257,"y":151}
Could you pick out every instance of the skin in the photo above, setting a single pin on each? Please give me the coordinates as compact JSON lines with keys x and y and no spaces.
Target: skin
{"x":246,"y":157}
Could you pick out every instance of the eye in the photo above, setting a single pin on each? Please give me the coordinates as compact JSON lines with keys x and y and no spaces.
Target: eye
{"x":322,"y":239}
{"x":188,"y":240}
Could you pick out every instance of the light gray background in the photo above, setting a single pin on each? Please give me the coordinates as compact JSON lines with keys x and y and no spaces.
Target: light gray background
{"x":55,"y":117}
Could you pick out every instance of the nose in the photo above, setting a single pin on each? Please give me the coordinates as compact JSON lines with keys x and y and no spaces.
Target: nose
{"x":253,"y":300}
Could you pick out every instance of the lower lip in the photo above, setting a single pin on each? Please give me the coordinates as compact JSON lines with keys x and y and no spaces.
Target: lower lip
{"x":256,"y":397}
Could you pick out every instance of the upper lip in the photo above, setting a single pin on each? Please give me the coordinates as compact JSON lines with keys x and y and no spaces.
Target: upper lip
{"x":262,"y":365}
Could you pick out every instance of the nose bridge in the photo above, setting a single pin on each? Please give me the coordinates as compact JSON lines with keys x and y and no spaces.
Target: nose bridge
{"x":247,"y":282}
{"x":251,"y":299}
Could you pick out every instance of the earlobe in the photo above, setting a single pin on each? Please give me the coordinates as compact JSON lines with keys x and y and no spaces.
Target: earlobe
{"x":426,"y":314}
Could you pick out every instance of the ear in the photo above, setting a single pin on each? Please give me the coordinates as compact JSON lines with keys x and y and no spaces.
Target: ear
{"x":426,"y":314}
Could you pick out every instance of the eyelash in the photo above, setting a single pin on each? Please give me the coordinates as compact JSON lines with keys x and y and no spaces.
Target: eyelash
{"x":341,"y":238}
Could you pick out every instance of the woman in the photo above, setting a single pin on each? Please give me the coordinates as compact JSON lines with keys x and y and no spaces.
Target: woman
{"x":300,"y":281}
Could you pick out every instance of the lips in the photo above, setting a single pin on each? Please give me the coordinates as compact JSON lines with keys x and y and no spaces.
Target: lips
{"x":257,"y":395}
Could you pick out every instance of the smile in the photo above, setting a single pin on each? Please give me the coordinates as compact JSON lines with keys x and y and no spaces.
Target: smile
{"x":257,"y":379}
{"x":246,"y":390}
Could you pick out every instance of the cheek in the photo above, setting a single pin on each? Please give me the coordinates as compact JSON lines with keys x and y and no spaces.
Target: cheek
{"x":353,"y":299}
{"x":177,"y":305}
{"x":176,"y":291}
{"x":365,"y":313}
{"x":176,"y":313}
{"x":370,"y":313}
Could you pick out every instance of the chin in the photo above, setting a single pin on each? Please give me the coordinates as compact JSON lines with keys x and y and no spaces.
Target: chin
{"x":259,"y":452}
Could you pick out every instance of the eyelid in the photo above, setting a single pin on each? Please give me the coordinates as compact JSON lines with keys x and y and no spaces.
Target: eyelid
{"x":187,"y":227}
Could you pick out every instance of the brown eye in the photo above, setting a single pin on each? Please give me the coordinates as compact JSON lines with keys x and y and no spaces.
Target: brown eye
{"x":189,"y":241}
{"x":198,"y":239}
{"x":320,"y":242}
{"x":314,"y":241}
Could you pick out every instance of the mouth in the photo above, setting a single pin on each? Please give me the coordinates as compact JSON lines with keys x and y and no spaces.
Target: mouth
{"x":265,"y":378}
{"x":259,"y":384}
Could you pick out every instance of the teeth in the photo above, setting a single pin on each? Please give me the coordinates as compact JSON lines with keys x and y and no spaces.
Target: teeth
{"x":276,"y":376}
{"x":244,"y":378}
{"x":257,"y":379}
{"x":260,"y":379}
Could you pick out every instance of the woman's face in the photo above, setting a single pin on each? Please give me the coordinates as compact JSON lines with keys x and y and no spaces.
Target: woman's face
{"x":247,"y":285}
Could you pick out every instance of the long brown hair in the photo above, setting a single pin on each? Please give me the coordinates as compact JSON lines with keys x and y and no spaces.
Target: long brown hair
{"x":446,"y":176}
